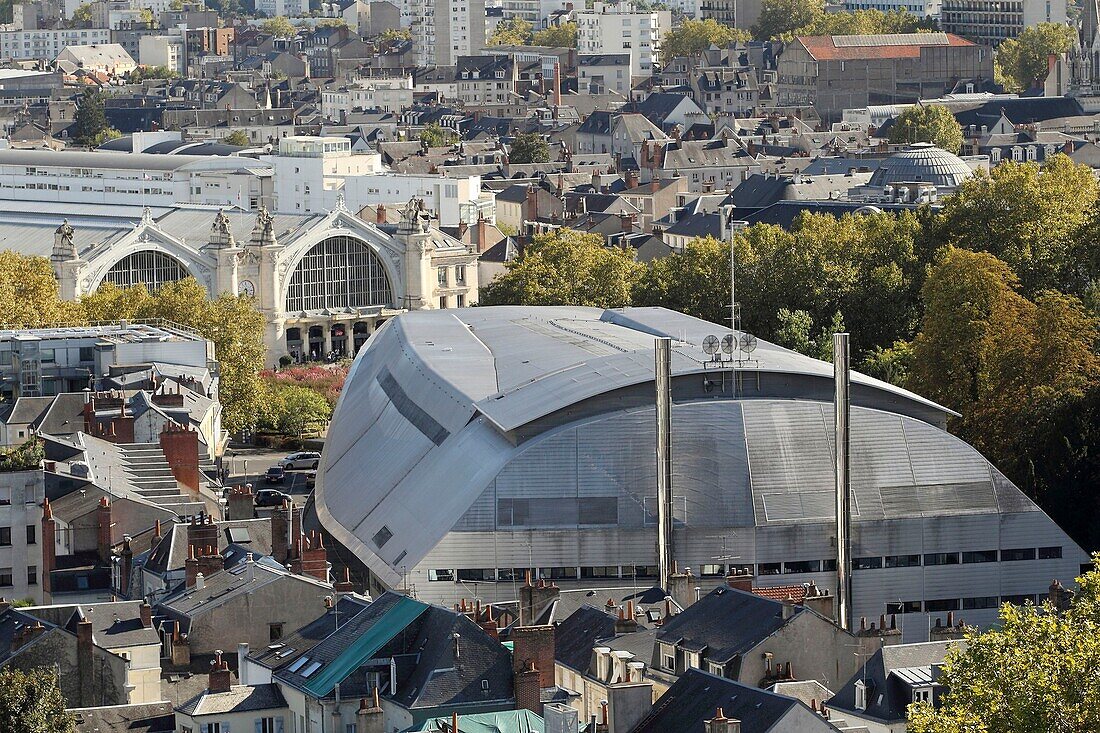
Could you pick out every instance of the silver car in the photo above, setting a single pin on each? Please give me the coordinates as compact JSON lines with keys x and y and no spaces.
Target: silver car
{"x":301,"y":459}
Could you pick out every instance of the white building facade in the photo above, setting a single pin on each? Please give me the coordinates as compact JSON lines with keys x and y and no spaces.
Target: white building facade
{"x":443,"y":30}
{"x":608,"y":28}
{"x":47,"y":44}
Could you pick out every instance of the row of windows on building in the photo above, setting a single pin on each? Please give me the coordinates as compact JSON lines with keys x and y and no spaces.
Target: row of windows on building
{"x":7,"y":577}
{"x":5,"y":532}
{"x":761,"y":569}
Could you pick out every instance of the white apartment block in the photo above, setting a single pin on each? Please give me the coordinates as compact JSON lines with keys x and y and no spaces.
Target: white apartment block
{"x":388,"y":95}
{"x":621,"y":29}
{"x":991,"y":21}
{"x":47,"y":44}
{"x":21,"y":495}
{"x":310,"y":173}
{"x":534,"y":12}
{"x":919,"y":8}
{"x":443,"y":30}
{"x":289,"y":8}
{"x":162,"y":50}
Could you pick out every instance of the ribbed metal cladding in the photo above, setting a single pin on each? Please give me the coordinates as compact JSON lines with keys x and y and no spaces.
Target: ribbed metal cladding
{"x":841,"y":408}
{"x":663,"y":380}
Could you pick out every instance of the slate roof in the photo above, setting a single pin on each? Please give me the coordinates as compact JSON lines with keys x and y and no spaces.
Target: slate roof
{"x":156,"y":717}
{"x":575,"y":636}
{"x":597,"y":123}
{"x":727,"y":621}
{"x":239,"y":699}
{"x":1020,"y":111}
{"x":171,"y":553}
{"x":289,"y":648}
{"x":603,"y":59}
{"x":887,"y":694}
{"x":785,"y":213}
{"x":220,"y":588}
{"x":696,"y":696}
{"x":659,"y":105}
{"x":114,"y":624}
{"x":28,"y":410}
{"x":507,"y":721}
{"x":696,"y":225}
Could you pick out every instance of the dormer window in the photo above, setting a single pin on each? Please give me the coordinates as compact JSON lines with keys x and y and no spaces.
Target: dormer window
{"x":922,"y":694}
{"x":500,"y":73}
{"x":861,"y":695}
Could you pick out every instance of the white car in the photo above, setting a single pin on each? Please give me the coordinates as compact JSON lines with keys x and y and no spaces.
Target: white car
{"x":302,"y":459}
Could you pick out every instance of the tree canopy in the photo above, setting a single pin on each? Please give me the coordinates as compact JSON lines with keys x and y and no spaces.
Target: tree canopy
{"x":279,"y":26}
{"x":1022,"y":62}
{"x":529,"y":147}
{"x":232,"y":322}
{"x":780,"y":17}
{"x":566,"y":267}
{"x":692,"y":37}
{"x":436,"y":136}
{"x":933,"y":123}
{"x":29,"y":293}
{"x":863,"y":22}
{"x":511,"y":32}
{"x":152,"y":72}
{"x":1034,"y":673}
{"x":90,"y":125}
{"x":31,"y":702}
{"x":237,"y":137}
{"x":557,"y":36}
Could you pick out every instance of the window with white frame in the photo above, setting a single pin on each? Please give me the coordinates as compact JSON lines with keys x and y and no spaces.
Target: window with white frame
{"x":922,"y":694}
{"x":861,"y":695}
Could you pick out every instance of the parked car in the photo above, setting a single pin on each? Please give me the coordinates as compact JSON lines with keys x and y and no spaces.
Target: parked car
{"x":301,"y":459}
{"x":311,"y":479}
{"x":275,"y":475}
{"x":271,"y":497}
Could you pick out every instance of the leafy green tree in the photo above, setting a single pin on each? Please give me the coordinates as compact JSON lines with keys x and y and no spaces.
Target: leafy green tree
{"x":511,"y":32}
{"x":1022,"y":62}
{"x":529,"y":147}
{"x":889,"y":363}
{"x":566,"y":267}
{"x":392,"y":35}
{"x":90,"y":119}
{"x":1034,"y":673}
{"x":279,"y":27}
{"x":294,"y":410}
{"x":557,"y":36}
{"x":29,"y":295}
{"x":332,"y":23}
{"x":142,"y":73}
{"x":779,"y":17}
{"x":31,"y":702}
{"x":238,"y":138}
{"x":933,"y":123}
{"x":232,"y":322}
{"x":692,"y":37}
{"x":695,"y":281}
{"x":82,"y":16}
{"x":437,"y":136}
{"x":1034,"y":218}
{"x":862,"y":22}
{"x":147,"y":16}
{"x":796,"y":332}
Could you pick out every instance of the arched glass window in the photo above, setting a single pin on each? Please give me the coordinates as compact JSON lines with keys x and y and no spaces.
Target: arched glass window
{"x":150,"y":268}
{"x":340,"y":272}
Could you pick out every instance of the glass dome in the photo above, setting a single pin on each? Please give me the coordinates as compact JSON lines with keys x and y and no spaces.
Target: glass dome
{"x":922,"y":163}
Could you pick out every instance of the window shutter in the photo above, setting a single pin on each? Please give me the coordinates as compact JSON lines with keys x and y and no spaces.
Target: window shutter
{"x":279,"y":725}
{"x":259,"y":725}
{"x":224,"y":728}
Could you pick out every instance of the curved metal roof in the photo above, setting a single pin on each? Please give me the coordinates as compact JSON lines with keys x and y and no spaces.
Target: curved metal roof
{"x":922,"y":162}
{"x":444,"y":408}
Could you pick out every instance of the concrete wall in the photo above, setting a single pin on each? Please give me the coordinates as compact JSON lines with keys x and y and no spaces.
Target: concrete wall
{"x":24,"y":492}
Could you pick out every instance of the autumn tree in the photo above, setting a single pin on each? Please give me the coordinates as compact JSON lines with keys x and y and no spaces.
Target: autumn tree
{"x":779,"y":17}
{"x":695,"y":281}
{"x":436,"y":136}
{"x":1023,"y":62}
{"x":511,"y":32}
{"x":31,"y":702}
{"x":279,"y":26}
{"x":563,"y":35}
{"x":29,"y":294}
{"x":293,"y":409}
{"x":566,"y":267}
{"x":933,"y":123}
{"x":529,"y":147}
{"x":1030,"y":217}
{"x":861,"y":22}
{"x":692,"y":37}
{"x":1035,"y":672}
{"x":231,"y":322}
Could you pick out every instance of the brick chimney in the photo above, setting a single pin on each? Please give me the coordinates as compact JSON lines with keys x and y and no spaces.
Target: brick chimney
{"x":181,"y":650}
{"x":344,"y":585}
{"x":482,"y":233}
{"x":532,"y":203}
{"x":370,"y":716}
{"x":627,"y":623}
{"x":819,"y":599}
{"x":84,"y":662}
{"x":286,"y":526}
{"x":146,"y":612}
{"x":103,"y":531}
{"x":181,"y":448}
{"x":721,"y":724}
{"x":890,"y":635}
{"x":242,"y":503}
{"x":380,"y":214}
{"x":122,"y":426}
{"x":527,"y":690}
{"x":534,"y":646}
{"x":313,"y":558}
{"x":125,"y":566}
{"x":221,"y":679}
{"x":49,"y":548}
{"x":202,"y":532}
{"x":948,"y":632}
{"x":534,"y":598}
{"x":631,"y":178}
{"x":681,"y":586}
{"x":740,"y":580}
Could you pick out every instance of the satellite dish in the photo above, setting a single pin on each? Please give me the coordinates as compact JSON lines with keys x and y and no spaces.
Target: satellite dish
{"x":748,"y":343}
{"x":727,"y":343}
{"x":710,"y":345}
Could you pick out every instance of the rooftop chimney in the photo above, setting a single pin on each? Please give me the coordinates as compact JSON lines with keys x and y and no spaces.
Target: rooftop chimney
{"x":221,"y":679}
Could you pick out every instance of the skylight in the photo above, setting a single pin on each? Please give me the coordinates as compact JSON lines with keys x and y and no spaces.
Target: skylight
{"x":286,"y":652}
{"x":311,"y":669}
{"x":298,"y":663}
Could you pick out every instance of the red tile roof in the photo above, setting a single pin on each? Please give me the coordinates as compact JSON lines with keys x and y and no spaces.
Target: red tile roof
{"x":782,"y":592}
{"x":895,"y":46}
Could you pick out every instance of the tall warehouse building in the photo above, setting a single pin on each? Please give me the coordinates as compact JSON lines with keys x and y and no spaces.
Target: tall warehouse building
{"x":471,"y":445}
